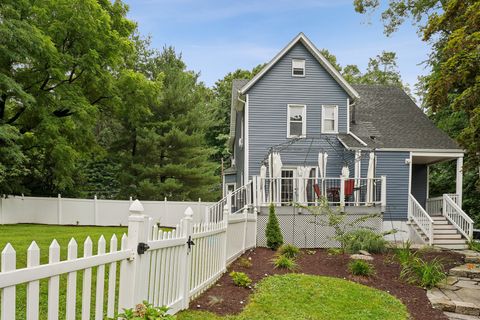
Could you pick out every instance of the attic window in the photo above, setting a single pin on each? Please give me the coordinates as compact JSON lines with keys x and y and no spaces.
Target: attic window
{"x":298,"y":67}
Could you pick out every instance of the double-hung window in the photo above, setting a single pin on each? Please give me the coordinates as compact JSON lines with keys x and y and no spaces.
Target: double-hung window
{"x":329,"y":119}
{"x":297,"y":122}
{"x":298,"y":67}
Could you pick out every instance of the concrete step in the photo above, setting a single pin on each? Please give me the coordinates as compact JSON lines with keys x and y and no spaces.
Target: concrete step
{"x":449,"y":241}
{"x":452,"y":246}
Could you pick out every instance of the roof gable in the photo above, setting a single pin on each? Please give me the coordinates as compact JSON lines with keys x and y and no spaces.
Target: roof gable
{"x":301,"y":38}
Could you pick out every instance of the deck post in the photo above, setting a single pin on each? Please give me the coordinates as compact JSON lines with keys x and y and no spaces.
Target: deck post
{"x":459,"y":181}
{"x":384,"y":192}
{"x":255,"y":191}
{"x":229,"y":203}
{"x":342,"y":192}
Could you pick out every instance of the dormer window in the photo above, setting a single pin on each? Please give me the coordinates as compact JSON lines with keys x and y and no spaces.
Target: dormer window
{"x":298,"y":67}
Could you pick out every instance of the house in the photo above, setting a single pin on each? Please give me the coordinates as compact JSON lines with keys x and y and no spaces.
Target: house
{"x":299,"y":131}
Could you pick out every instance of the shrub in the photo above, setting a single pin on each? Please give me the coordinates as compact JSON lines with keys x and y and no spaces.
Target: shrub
{"x":361,"y":268}
{"x":283,"y":262}
{"x":334,"y":251}
{"x":273,"y":232}
{"x":289,"y":251}
{"x":474,"y":245}
{"x":244,"y":262}
{"x":363,"y":239}
{"x":426,"y":274}
{"x":405,"y":255}
{"x":146,"y":311}
{"x":240,"y":279}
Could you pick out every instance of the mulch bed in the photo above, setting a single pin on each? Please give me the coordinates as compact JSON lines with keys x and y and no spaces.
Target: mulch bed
{"x":225,"y":298}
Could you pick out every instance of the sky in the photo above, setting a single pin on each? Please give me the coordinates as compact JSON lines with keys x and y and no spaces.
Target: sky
{"x":219,"y":36}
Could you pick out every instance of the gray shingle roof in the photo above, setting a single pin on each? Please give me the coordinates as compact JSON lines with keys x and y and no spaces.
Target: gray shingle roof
{"x":348,"y":140}
{"x":386,"y":117}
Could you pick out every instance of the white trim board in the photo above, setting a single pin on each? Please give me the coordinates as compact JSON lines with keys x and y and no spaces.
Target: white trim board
{"x":246,"y":147}
{"x":316,"y":53}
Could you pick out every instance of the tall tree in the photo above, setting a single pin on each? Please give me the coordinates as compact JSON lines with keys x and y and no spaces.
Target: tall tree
{"x":57,"y":63}
{"x":162,"y":146}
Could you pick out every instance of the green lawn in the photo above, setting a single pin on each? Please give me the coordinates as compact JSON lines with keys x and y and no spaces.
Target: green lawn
{"x":298,"y":296}
{"x":20,"y":236}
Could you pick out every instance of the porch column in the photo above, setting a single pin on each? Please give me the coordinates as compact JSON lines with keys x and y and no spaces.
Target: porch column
{"x":459,"y":180}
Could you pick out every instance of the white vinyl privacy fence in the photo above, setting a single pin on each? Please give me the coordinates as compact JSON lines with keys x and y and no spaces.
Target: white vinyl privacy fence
{"x":96,"y":212}
{"x":165,"y":268}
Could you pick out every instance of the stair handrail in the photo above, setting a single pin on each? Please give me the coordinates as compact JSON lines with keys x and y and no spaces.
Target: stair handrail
{"x":214,"y":213}
{"x":421,"y":218}
{"x":458,"y":218}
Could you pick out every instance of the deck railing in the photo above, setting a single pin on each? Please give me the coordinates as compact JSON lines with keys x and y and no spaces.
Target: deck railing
{"x":420,"y":217}
{"x":434,"y":206}
{"x":308,"y":191}
{"x":457,"y":217}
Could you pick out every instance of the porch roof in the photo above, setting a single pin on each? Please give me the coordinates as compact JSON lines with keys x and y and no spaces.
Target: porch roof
{"x":387,"y":118}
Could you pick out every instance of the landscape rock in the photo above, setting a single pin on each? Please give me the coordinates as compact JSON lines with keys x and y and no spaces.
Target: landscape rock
{"x":365,"y":253}
{"x":467,"y":308}
{"x":361,"y":257}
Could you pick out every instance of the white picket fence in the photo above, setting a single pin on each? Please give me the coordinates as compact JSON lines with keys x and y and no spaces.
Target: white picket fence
{"x":165,"y":268}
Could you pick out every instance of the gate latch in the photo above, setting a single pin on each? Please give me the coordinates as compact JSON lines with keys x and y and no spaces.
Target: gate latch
{"x":190,"y":243}
{"x":142,"y":248}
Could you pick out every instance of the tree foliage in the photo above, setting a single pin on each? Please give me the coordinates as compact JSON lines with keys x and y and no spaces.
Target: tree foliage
{"x":86,"y":106}
{"x":273,"y":232}
{"x":218,"y":133}
{"x":452,"y":89}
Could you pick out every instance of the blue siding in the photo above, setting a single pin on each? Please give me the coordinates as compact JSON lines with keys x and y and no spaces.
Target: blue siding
{"x":392,"y":165}
{"x":268,"y":100}
{"x":419,"y":183}
{"x":230,"y":178}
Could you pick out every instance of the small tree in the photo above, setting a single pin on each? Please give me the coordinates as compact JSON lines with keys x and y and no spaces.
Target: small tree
{"x":273,"y":232}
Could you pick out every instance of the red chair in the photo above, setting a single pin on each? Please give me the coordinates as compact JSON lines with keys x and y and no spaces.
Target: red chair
{"x":316,"y":188}
{"x":349,"y":187}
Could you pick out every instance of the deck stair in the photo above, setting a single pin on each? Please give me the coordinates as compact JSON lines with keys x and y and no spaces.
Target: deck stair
{"x":445,"y":235}
{"x":450,"y":230}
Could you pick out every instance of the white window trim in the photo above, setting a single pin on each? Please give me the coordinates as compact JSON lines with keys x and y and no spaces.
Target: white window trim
{"x":234,"y":184}
{"x":304,"y":120}
{"x":335,"y":130}
{"x":304,"y":68}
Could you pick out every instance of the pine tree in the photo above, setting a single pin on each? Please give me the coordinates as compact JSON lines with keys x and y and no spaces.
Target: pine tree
{"x":273,"y":232}
{"x":162,"y":146}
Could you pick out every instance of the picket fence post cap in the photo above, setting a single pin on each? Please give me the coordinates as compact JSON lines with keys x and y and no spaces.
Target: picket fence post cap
{"x":136,"y":207}
{"x":188,"y":212}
